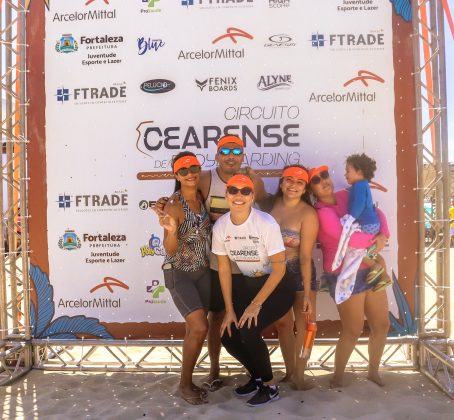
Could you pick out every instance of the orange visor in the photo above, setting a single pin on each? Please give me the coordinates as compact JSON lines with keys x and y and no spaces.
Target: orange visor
{"x":185,"y":162}
{"x":230,"y":139}
{"x":316,"y":171}
{"x":240,"y":181}
{"x":296,"y":172}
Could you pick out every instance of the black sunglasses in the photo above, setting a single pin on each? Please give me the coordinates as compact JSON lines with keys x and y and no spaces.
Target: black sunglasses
{"x":243,"y":191}
{"x":317,"y":178}
{"x":226,"y":151}
{"x":194,"y":169}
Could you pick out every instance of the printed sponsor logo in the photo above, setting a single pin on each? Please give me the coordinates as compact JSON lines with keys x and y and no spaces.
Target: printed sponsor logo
{"x":154,"y":247}
{"x":118,"y":201}
{"x":280,"y":81}
{"x":156,"y":289}
{"x":374,"y":40}
{"x":280,"y":41}
{"x":146,"y":204}
{"x":363,"y":77}
{"x":360,"y":6}
{"x":217,"y":4}
{"x":104,"y":240}
{"x":157,"y":86}
{"x":145,"y":45}
{"x":92,"y":46}
{"x":279,"y":4}
{"x":109,"y":283}
{"x":151,"y":5}
{"x":116,"y":93}
{"x":101,"y":303}
{"x":69,"y":241}
{"x":233,"y":35}
{"x":218,"y":84}
{"x":66,"y":44}
{"x":101,"y":14}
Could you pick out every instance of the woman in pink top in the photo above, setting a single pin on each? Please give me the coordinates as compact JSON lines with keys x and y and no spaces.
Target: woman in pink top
{"x":364,"y":301}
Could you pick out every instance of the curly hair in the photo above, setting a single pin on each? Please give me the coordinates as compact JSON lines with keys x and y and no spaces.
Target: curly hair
{"x":365,"y":164}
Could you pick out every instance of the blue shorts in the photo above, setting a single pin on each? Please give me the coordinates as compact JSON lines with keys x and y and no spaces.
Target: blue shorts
{"x":294,"y":272}
{"x":361,"y":285}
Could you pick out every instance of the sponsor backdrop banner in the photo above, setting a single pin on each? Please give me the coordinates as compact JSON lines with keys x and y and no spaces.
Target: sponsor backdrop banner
{"x":128,"y":84}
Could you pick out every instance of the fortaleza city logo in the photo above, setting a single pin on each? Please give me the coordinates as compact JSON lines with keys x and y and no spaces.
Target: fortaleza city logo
{"x":152,"y":137}
{"x":104,"y":240}
{"x":363,"y":77}
{"x":280,"y":41}
{"x":66,"y":44}
{"x":157,"y":86}
{"x":92,"y":14}
{"x":115,"y":93}
{"x":277,"y":4}
{"x":374,"y":40}
{"x":145,"y":44}
{"x":360,"y":6}
{"x":217,"y":4}
{"x":156,"y":290}
{"x":152,"y":6}
{"x":280,"y":81}
{"x":69,"y":241}
{"x":232,"y":36}
{"x":118,"y":201}
{"x":153,"y":249}
{"x":218,"y":84}
{"x":109,"y":283}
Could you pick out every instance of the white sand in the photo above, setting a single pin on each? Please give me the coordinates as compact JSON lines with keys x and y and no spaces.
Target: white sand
{"x":58,"y":395}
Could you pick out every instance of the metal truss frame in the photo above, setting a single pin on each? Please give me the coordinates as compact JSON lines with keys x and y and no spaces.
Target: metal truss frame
{"x":15,"y":354}
{"x":133,"y":355}
{"x":434,"y":323}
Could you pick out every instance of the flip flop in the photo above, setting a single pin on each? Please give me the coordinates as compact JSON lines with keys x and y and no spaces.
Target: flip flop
{"x":375,"y":273}
{"x":370,"y":252}
{"x":214,"y":385}
{"x":194,"y":400}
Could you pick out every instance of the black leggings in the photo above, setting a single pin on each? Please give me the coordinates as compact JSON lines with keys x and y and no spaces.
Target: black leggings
{"x":247,"y":345}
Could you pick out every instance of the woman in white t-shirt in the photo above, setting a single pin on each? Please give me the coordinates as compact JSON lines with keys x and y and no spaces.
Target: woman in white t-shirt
{"x":262,"y":295}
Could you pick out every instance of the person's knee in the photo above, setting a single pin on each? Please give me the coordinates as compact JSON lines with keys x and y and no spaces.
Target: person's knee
{"x":198,"y":330}
{"x":352,"y":332}
{"x":380,"y":327}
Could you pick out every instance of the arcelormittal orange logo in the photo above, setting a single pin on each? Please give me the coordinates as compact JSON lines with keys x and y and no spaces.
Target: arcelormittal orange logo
{"x":364,"y":76}
{"x":232,"y":33}
{"x":109,"y":283}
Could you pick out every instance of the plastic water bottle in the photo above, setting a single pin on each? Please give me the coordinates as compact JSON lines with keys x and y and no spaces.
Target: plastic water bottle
{"x":309,"y":337}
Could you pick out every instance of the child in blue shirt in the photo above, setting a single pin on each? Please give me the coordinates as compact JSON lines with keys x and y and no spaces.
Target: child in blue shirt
{"x":359,"y":170}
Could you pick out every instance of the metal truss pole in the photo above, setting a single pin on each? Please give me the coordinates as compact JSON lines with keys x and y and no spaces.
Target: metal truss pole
{"x":436,"y":351}
{"x":15,"y":338}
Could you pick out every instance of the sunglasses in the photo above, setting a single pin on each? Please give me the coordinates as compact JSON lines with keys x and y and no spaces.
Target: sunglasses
{"x":316,"y":179}
{"x":226,"y":151}
{"x":194,"y":169}
{"x":243,"y":191}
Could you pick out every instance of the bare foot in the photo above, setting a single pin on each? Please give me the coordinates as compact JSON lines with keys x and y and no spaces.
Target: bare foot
{"x":336,"y":382}
{"x":286,"y":378}
{"x":191,"y":396}
{"x":375,"y":378}
{"x":203,"y":392}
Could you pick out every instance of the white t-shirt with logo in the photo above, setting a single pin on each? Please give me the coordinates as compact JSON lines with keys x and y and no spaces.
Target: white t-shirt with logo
{"x":250,"y":244}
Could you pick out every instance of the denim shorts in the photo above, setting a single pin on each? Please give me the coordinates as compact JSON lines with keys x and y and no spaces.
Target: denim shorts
{"x":361,"y":285}
{"x":294,"y":272}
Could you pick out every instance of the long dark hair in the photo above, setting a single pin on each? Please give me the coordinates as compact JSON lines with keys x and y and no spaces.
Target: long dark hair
{"x":271,"y":200}
{"x":175,"y":158}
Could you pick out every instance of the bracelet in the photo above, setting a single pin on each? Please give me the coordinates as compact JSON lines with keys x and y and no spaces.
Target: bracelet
{"x":253,"y":302}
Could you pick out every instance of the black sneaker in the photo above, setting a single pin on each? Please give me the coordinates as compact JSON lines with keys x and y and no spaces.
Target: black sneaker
{"x":265,"y":395}
{"x":248,"y":389}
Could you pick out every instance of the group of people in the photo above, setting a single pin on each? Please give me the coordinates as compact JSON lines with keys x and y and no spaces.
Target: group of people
{"x":239,"y":260}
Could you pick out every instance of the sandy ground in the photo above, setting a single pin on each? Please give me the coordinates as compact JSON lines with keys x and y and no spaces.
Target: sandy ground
{"x":58,"y":395}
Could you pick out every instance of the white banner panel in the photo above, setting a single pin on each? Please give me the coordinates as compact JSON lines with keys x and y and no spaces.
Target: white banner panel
{"x":131,"y":83}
